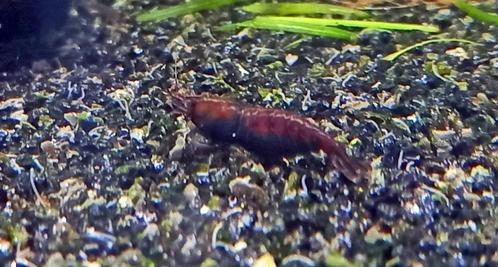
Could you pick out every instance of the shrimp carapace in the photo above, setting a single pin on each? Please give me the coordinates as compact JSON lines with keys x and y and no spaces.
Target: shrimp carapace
{"x":268,"y":133}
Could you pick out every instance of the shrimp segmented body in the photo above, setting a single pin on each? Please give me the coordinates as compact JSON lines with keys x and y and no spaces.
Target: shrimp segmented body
{"x":268,"y":133}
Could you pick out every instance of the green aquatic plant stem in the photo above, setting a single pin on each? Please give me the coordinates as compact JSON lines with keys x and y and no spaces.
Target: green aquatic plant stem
{"x":395,"y":55}
{"x":476,"y":13}
{"x":350,"y":23}
{"x":159,"y":14}
{"x":283,"y":9}
{"x":296,"y":27}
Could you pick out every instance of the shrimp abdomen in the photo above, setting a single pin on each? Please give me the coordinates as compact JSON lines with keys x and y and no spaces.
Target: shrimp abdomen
{"x":269,"y":133}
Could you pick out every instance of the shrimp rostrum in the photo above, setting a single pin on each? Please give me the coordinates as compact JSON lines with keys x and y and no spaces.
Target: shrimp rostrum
{"x":268,"y":133}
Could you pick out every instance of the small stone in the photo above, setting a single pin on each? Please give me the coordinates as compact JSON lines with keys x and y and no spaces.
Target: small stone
{"x":298,"y":260}
{"x":157,"y":163}
{"x":488,"y":37}
{"x":494,"y":142}
{"x":48,"y":147}
{"x":5,"y":250}
{"x":190,"y":192}
{"x":151,"y":231}
{"x":136,"y":51}
{"x":337,"y":259}
{"x":137,"y":134}
{"x":209,"y":263}
{"x":291,"y":186}
{"x":241,"y":187}
{"x":56,"y":260}
{"x":204,"y":210}
{"x":443,"y":134}
{"x":375,"y":234}
{"x":494,"y":62}
{"x":457,"y":52}
{"x":73,"y":118}
{"x":176,"y":152}
{"x":125,"y":202}
{"x":12,"y":104}
{"x":480,"y":172}
{"x":88,"y":263}
{"x":467,"y":133}
{"x":240,"y":245}
{"x":189,"y":246}
{"x":291,"y":59}
{"x":444,"y":12}
{"x":266,"y":260}
{"x":175,"y":218}
{"x":21,"y":261}
{"x":66,"y":133}
{"x":202,"y":173}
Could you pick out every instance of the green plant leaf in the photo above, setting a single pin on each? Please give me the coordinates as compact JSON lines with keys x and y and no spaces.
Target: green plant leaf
{"x":395,"y":55}
{"x":476,"y":13}
{"x":283,"y":9}
{"x":351,"y":23}
{"x":159,"y":14}
{"x":296,"y":27}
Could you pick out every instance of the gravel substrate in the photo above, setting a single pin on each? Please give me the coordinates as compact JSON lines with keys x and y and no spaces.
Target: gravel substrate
{"x":97,"y":170}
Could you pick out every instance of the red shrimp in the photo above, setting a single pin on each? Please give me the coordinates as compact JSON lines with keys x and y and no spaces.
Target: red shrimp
{"x":268,"y":133}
